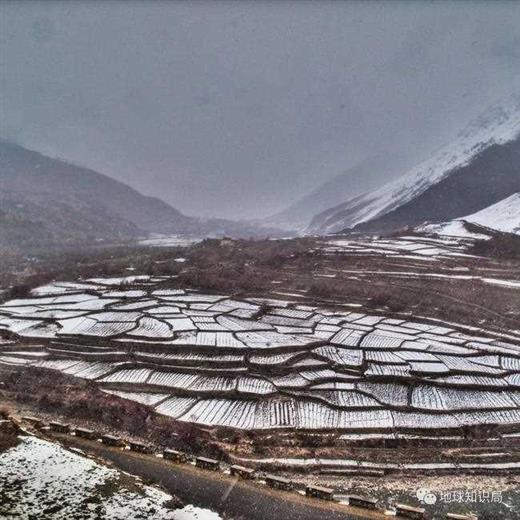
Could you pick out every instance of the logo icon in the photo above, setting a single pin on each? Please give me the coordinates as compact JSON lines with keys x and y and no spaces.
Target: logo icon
{"x":426,"y":496}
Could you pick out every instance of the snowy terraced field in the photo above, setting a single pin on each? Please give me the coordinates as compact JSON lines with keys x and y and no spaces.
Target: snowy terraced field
{"x":418,"y":251}
{"x":414,"y":247}
{"x":265,"y":364}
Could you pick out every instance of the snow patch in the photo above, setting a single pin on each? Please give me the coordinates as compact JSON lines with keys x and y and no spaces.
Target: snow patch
{"x":43,"y":480}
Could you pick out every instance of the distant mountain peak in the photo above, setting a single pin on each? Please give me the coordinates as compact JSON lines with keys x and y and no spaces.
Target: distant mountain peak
{"x":358,"y":179}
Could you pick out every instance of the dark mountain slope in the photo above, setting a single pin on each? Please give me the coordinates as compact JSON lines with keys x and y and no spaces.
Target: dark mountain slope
{"x":34,"y":221}
{"x":31,"y":176}
{"x":472,"y":161}
{"x":491,"y":176}
{"x":46,"y":201}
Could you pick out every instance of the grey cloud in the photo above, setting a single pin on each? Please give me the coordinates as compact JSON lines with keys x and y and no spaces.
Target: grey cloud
{"x":236,"y":109}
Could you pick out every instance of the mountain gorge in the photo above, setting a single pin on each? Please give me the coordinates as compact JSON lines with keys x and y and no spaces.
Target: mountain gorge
{"x":364,"y":176}
{"x":46,"y":201}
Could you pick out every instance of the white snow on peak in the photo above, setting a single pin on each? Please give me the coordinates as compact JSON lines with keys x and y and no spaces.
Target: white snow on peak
{"x":502,"y":216}
{"x":499,"y":124}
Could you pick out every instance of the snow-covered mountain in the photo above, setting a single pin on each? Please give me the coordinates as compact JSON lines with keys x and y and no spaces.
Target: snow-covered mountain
{"x":362,"y":177}
{"x":502,"y":216}
{"x":484,"y":145}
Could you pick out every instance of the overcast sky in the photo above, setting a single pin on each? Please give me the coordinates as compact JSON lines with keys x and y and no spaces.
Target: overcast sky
{"x":236,"y":109}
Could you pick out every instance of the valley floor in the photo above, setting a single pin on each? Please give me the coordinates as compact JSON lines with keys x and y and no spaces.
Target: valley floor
{"x":367,"y":365}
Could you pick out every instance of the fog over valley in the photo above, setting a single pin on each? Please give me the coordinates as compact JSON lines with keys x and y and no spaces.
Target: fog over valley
{"x":240,"y":109}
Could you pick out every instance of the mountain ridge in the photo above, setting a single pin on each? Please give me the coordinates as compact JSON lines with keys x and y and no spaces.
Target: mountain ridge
{"x":46,"y":201}
{"x":376,"y":210}
{"x":503,"y":216}
{"x":356,"y":180}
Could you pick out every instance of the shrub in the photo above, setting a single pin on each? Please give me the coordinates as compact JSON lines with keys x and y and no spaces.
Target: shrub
{"x":322,"y":289}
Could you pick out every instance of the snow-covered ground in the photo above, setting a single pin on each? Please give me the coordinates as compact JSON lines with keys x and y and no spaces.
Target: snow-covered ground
{"x":168,"y":241}
{"x":422,"y":248}
{"x":502,"y":216}
{"x":453,"y":228}
{"x":512,"y":284}
{"x":40,"y":479}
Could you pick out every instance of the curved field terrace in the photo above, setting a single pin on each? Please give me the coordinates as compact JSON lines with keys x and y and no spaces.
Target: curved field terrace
{"x":258,"y":364}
